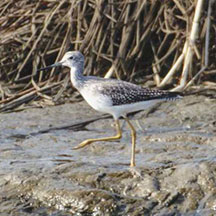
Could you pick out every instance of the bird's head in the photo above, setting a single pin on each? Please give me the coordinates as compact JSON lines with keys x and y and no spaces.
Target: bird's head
{"x":71,"y":59}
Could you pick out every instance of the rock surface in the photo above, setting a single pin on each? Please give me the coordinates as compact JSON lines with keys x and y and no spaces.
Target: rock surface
{"x":40,"y":174}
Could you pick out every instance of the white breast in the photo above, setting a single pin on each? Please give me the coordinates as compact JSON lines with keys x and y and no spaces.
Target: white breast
{"x":97,"y":101}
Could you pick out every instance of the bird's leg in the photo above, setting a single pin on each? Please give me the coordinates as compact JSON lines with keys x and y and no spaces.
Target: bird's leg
{"x":89,"y":141}
{"x":133,"y":135}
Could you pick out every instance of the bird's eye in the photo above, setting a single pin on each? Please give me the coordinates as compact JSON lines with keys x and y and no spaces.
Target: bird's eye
{"x":71,"y":57}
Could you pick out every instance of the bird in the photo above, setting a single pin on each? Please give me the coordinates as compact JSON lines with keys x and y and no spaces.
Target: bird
{"x":112,"y":96}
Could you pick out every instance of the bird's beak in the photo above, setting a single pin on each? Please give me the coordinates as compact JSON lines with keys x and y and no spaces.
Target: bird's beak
{"x":58,"y":64}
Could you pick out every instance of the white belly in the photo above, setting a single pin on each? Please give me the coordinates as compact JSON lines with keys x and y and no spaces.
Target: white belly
{"x":123,"y":110}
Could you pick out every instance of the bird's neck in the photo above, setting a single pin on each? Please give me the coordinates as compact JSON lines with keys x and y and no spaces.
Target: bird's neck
{"x":77,"y":77}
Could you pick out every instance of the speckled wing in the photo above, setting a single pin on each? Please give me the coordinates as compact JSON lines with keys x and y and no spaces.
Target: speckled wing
{"x":122,"y":93}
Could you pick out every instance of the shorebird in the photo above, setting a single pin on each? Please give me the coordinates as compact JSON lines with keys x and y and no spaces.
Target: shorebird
{"x":115,"y":97}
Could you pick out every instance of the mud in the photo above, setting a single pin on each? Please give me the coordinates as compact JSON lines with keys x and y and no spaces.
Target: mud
{"x":40,"y":173}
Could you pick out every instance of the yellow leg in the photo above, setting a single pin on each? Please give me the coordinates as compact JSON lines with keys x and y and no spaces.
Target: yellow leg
{"x":133,"y":135}
{"x":89,"y":141}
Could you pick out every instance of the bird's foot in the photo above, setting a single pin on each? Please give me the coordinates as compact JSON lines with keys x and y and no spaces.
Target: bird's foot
{"x":82,"y":144}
